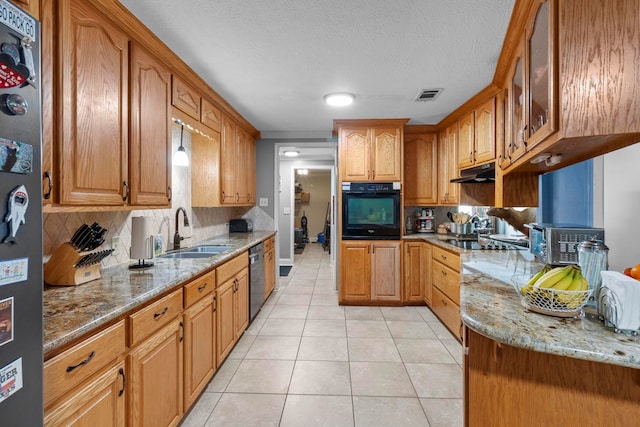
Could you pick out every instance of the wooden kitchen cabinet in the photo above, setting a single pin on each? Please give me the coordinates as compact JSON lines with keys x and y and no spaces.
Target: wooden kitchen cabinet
{"x":448,"y":192}
{"x":232,"y":298}
{"x":185,"y":98}
{"x":210,"y":115}
{"x":417,"y":272}
{"x":237,"y":155}
{"x":199,"y":336}
{"x":269,"y":267}
{"x":32,"y":7}
{"x":544,"y":389}
{"x":156,"y":389}
{"x":445,"y":280}
{"x":370,"y":150}
{"x":420,"y":168}
{"x":369,"y":271}
{"x":93,"y":69}
{"x":477,"y":136}
{"x":99,"y":402}
{"x":150,"y":145}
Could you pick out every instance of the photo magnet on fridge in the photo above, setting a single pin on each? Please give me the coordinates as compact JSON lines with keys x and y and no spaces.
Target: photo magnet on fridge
{"x":15,"y":156}
{"x":6,"y":320}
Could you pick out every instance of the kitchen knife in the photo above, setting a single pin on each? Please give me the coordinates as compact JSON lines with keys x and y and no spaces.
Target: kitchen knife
{"x":79,"y":236}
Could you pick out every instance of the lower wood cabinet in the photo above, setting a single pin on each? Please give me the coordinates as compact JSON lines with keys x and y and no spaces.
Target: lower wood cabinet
{"x":232,"y":311}
{"x":369,"y":271}
{"x":156,"y":370}
{"x":99,"y":402}
{"x":445,"y":279}
{"x":269,"y":267}
{"x":417,"y":273}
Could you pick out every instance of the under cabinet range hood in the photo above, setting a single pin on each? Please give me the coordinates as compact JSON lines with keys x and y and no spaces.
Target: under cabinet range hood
{"x":477,"y":175}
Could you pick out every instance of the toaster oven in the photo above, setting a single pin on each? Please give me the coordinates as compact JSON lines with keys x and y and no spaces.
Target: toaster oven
{"x":557,"y":244}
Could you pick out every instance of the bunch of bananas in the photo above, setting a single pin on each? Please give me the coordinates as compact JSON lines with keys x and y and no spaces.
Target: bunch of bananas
{"x":549,"y":284}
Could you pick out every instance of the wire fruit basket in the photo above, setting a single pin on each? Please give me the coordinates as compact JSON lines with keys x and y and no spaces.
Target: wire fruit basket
{"x":553,"y":302}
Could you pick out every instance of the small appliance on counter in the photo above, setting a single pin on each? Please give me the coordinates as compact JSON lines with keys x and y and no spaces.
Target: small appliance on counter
{"x":143,"y":244}
{"x":240,"y":225}
{"x":74,"y":263}
{"x":557,"y":244}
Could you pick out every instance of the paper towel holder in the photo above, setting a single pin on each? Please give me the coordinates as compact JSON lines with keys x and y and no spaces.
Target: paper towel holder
{"x":142,"y":242}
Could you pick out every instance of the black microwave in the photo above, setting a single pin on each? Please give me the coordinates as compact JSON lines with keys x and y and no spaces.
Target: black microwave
{"x":371,"y":211}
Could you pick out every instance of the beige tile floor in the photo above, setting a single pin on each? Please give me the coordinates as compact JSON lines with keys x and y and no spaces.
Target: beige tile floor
{"x":305,"y":361}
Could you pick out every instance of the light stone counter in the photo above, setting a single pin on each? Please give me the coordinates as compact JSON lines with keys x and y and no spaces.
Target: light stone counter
{"x":73,"y":311}
{"x":490,"y":306}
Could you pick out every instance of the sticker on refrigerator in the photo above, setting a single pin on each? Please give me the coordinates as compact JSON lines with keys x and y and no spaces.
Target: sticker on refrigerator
{"x":16,"y":156}
{"x":6,"y":320}
{"x":10,"y":379}
{"x":16,"y":211}
{"x":13,"y":270}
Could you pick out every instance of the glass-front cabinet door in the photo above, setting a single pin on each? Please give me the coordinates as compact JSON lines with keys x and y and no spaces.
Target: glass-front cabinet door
{"x":540,"y":75}
{"x":517,"y":115}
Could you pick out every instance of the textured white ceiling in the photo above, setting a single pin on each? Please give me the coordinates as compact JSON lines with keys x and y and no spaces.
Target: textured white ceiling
{"x":274,"y":60}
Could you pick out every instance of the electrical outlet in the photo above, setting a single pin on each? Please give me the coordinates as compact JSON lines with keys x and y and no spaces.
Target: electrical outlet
{"x":264,"y":201}
{"x":115,"y":242}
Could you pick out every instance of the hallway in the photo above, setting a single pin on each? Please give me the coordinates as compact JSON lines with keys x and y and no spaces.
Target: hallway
{"x":306,"y":361}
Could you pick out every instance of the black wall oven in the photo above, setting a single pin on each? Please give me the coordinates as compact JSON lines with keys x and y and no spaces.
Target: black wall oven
{"x":371,"y":211}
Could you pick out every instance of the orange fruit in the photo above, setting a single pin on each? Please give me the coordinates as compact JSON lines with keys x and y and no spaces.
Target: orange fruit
{"x":627,"y":271}
{"x":635,"y":272}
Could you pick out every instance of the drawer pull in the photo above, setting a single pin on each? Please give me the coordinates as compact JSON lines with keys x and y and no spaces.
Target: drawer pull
{"x":443,"y":257}
{"x":124,"y":382}
{"x":444,"y":273}
{"x":444,"y":302}
{"x":84,"y":362}
{"x":201,"y":288}
{"x":162,"y":313}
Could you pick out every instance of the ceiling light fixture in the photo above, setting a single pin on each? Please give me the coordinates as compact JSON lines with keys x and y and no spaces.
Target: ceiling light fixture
{"x":341,"y":99}
{"x":180,"y":157}
{"x":291,"y":153}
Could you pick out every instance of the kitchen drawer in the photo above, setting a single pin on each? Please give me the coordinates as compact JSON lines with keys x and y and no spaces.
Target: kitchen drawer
{"x":70,"y":368}
{"x":447,"y":311}
{"x":199,"y":287}
{"x":269,"y":244}
{"x":446,"y":279}
{"x":151,"y":318}
{"x":449,"y":259}
{"x":230,"y":268}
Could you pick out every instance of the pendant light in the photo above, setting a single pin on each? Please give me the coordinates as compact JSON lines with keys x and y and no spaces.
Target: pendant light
{"x":180,"y":157}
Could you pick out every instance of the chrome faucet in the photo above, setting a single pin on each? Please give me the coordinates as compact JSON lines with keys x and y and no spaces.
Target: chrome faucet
{"x":176,"y":236}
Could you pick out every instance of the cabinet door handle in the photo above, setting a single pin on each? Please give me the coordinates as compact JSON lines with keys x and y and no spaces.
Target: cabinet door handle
{"x":124,"y":381}
{"x":50,"y":179}
{"x":237,"y":197}
{"x":84,"y":362}
{"x":248,"y":197}
{"x":181,"y":331}
{"x":222,"y":196}
{"x":126,"y":191}
{"x":170,"y":193}
{"x":162,"y":313}
{"x":215,"y":303}
{"x":201,"y":288}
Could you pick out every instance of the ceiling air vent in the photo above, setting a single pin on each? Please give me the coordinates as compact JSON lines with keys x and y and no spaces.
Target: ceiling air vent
{"x":428,"y":95}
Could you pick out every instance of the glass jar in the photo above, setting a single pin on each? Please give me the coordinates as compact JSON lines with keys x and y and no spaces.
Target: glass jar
{"x":593,"y":258}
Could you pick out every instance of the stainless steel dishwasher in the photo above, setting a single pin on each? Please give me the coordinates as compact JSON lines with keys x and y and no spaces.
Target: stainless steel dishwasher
{"x":256,"y":279}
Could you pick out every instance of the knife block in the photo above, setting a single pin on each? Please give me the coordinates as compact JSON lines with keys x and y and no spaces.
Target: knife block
{"x":60,"y":270}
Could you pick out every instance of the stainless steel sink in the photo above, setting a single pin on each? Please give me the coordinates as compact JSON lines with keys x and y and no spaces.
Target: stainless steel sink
{"x":209,"y":249}
{"x":187,"y":255}
{"x":202,"y":251}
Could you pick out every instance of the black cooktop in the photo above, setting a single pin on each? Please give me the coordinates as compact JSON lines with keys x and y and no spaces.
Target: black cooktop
{"x":491,"y":245}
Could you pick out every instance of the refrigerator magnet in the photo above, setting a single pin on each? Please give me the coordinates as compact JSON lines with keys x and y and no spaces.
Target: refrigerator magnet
{"x":13,"y":270}
{"x":16,"y":156}
{"x":6,"y":320}
{"x":10,"y":379}
{"x":16,"y":210}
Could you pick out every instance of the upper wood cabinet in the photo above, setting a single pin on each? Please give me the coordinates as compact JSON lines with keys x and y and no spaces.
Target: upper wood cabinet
{"x":150,"y":146}
{"x":476,"y":136}
{"x":237,"y":171}
{"x":370,"y":150}
{"x":448,"y":192}
{"x":190,"y":102}
{"x":420,"y":168}
{"x":93,"y":69}
{"x":210,"y":115}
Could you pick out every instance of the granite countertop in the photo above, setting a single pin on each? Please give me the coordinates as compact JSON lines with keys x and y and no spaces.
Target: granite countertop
{"x":73,"y":311}
{"x":490,"y":305}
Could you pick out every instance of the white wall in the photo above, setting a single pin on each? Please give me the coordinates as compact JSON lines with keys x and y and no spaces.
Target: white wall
{"x":621,"y":206}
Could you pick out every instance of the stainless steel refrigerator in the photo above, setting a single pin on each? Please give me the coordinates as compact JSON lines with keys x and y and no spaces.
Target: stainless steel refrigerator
{"x":21,"y":282}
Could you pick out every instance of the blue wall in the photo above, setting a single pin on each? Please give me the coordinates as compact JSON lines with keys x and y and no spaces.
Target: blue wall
{"x":566,"y":195}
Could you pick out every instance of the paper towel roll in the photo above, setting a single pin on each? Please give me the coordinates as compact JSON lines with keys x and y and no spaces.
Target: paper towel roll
{"x":142,"y":241}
